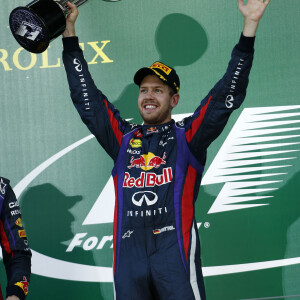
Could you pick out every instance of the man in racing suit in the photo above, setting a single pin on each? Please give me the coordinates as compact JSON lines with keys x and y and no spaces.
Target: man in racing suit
{"x":158,"y":165}
{"x":14,"y":243}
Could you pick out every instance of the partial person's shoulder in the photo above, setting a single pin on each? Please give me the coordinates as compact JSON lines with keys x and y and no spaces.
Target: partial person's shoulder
{"x":4,"y":184}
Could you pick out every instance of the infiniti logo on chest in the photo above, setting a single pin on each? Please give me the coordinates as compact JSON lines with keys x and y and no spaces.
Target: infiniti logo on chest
{"x":139,"y":197}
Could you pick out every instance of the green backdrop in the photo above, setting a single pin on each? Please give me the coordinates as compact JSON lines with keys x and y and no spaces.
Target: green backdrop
{"x":248,"y":207}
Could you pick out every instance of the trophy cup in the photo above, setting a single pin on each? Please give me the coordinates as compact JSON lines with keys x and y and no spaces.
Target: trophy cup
{"x":38,"y":23}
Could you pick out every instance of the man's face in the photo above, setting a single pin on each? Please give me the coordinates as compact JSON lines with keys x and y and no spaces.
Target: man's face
{"x":155,"y":102}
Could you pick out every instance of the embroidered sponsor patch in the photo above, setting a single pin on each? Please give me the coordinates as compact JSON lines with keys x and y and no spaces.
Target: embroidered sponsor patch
{"x":19,"y":222}
{"x":127,"y":234}
{"x":138,"y":134}
{"x":135,"y":143}
{"x":162,"y":67}
{"x":152,"y":130}
{"x":147,"y":161}
{"x":23,"y":285}
{"x":22,"y":234}
{"x":167,"y":228}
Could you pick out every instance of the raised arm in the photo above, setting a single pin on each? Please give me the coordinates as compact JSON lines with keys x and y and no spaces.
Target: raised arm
{"x":98,"y":114}
{"x":228,"y":94}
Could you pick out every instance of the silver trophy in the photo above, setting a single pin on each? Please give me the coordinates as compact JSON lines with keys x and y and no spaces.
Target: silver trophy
{"x":40,"y":22}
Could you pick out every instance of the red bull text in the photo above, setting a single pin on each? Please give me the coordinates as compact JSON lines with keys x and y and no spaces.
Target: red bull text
{"x":148,"y":179}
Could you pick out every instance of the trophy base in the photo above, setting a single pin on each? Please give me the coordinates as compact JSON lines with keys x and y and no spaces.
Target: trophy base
{"x":37,"y":24}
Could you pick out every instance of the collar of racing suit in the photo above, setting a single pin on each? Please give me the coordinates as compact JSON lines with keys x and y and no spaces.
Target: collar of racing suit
{"x":151,"y":129}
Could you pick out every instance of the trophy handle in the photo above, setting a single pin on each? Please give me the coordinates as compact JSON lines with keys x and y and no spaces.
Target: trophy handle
{"x":63,"y":4}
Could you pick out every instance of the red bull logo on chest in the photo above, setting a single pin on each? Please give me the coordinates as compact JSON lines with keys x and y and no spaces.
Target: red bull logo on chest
{"x":147,"y":161}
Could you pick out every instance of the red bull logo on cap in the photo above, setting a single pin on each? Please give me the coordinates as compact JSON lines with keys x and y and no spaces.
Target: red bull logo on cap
{"x":147,"y":161}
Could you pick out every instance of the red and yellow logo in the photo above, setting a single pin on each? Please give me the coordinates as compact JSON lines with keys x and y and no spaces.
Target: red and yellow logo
{"x":135,"y":143}
{"x":23,"y":285}
{"x":22,"y":234}
{"x":19,"y":222}
{"x":152,"y":130}
{"x":162,"y":67}
{"x":147,"y":161}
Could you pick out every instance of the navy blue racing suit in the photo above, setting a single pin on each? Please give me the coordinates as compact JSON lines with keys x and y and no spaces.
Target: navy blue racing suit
{"x":157,"y":173}
{"x":14,"y":243}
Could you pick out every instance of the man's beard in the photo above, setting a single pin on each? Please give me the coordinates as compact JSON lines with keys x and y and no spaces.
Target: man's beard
{"x":160,"y":119}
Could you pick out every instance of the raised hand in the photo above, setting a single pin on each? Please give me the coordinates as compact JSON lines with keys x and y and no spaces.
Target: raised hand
{"x":70,"y":21}
{"x":252,"y":11}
